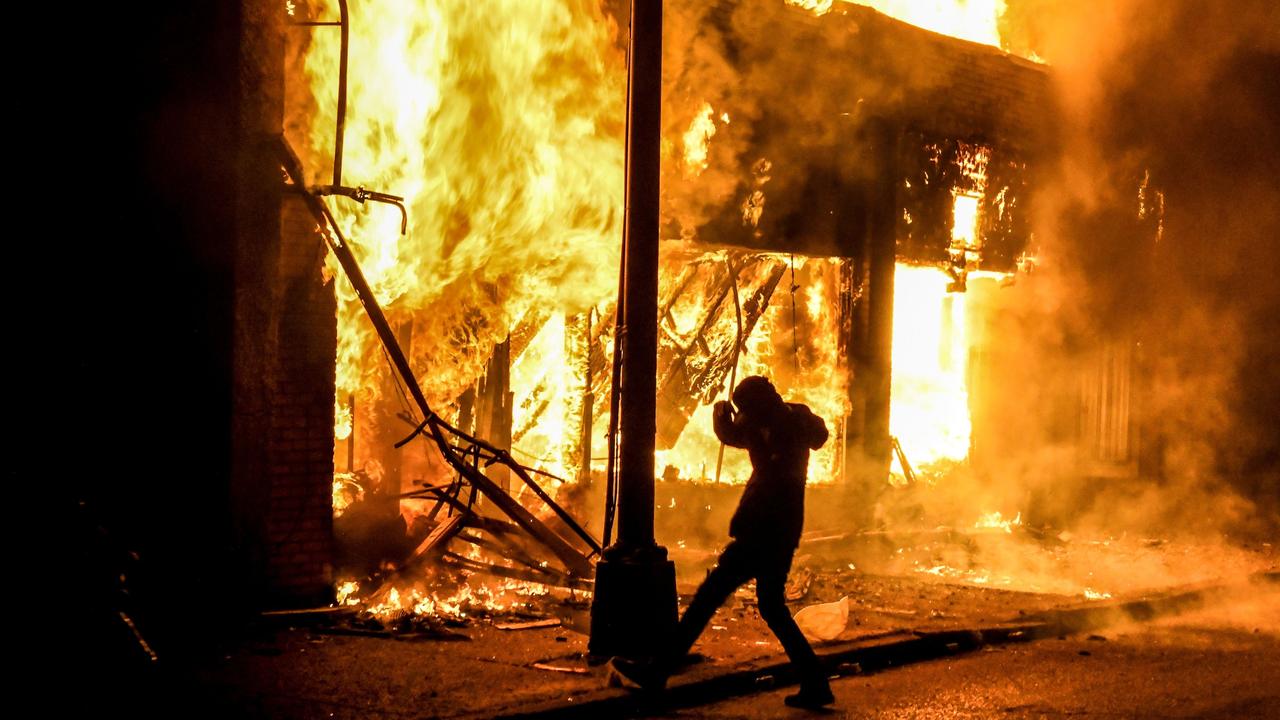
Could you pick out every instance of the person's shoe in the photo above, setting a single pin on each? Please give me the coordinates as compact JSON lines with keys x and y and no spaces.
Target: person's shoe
{"x":810,"y":699}
{"x":637,"y":674}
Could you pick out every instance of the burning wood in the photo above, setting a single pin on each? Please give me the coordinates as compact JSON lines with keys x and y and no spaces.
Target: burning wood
{"x":466,"y":456}
{"x":695,"y":371}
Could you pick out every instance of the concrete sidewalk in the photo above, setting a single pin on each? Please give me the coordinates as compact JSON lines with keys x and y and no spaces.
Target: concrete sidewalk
{"x":708,"y":684}
{"x":480,"y":670}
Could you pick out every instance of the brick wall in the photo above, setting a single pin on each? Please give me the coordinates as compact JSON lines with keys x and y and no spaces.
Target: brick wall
{"x":284,"y":345}
{"x":954,"y":88}
{"x":299,"y":514}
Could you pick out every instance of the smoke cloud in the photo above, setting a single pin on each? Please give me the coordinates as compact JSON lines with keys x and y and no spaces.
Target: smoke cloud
{"x":1158,"y":222}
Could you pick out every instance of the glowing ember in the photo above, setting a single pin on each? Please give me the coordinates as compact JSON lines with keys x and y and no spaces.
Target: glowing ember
{"x":996,"y":521}
{"x":345,"y":491}
{"x":346,"y":592}
{"x":972,"y":575}
{"x":470,"y":599}
{"x":1091,"y":594}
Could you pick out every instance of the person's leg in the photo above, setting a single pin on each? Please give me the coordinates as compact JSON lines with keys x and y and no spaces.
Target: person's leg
{"x":731,"y":571}
{"x":770,"y":589}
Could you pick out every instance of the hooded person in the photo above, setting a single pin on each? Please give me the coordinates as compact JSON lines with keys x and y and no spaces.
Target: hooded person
{"x":765,"y":531}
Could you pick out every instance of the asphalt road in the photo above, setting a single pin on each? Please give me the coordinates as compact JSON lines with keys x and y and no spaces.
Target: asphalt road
{"x":1189,"y":668}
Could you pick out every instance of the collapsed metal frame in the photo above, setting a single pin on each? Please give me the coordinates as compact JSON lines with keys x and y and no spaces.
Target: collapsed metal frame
{"x":463,"y":452}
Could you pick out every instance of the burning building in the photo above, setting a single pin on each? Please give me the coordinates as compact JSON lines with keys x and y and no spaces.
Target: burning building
{"x":849,"y":204}
{"x":804,"y":218}
{"x":843,"y":225}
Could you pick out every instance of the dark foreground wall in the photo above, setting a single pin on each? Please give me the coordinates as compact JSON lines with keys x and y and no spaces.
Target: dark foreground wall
{"x":141,"y":123}
{"x":145,"y":159}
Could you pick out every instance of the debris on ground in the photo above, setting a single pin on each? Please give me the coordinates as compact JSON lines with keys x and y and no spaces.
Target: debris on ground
{"x":824,"y":621}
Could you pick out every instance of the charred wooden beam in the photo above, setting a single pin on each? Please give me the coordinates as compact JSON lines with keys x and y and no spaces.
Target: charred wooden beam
{"x":538,"y":400}
{"x":496,"y":389}
{"x":544,"y":578}
{"x":713,"y":373}
{"x":438,"y":537}
{"x":525,"y":331}
{"x":588,"y":416}
{"x":508,"y":551}
{"x":688,"y":383}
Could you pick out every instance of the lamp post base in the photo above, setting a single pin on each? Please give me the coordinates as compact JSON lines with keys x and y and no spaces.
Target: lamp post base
{"x":634,"y":609}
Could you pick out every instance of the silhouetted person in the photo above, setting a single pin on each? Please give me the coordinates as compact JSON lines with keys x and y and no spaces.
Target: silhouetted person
{"x":765,"y":530}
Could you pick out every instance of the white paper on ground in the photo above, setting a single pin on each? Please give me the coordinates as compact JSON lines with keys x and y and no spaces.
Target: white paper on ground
{"x":824,"y":621}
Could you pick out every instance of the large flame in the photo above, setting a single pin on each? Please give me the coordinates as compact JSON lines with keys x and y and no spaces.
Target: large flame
{"x":976,"y":20}
{"x":929,"y":405}
{"x":929,"y":410}
{"x":796,"y":344}
{"x":501,"y":124}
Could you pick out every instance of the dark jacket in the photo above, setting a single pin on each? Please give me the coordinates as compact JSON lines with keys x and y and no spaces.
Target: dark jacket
{"x":771,"y":511}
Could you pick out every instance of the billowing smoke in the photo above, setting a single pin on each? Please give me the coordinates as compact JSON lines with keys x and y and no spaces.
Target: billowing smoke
{"x":1157,"y":212}
{"x":1158,"y":223}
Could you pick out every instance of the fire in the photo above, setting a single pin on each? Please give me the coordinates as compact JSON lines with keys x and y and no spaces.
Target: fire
{"x":975,"y":20}
{"x":696,"y":138}
{"x":995,"y":521}
{"x":965,"y":209}
{"x":501,"y":125}
{"x":817,"y":7}
{"x":471,"y":598}
{"x":929,"y":406}
{"x":345,"y":491}
{"x":346,"y":592}
{"x":802,"y":360}
{"x":539,"y":417}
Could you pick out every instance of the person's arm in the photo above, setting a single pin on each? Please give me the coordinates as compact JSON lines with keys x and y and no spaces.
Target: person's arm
{"x":728,"y":425}
{"x":813,"y":429}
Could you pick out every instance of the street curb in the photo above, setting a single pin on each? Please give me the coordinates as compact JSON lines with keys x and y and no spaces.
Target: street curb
{"x":1172,"y":602}
{"x":866,"y":656}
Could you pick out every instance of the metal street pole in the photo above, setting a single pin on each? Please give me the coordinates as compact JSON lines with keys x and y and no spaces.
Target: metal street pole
{"x":634,"y":608}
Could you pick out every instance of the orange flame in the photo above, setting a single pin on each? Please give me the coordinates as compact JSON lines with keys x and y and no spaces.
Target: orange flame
{"x":502,"y":128}
{"x":974,"y":20}
{"x":696,"y":138}
{"x":929,"y":407}
{"x":995,"y":521}
{"x":471,"y":598}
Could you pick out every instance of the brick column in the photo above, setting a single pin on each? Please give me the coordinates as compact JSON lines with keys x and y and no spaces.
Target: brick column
{"x":284,"y":346}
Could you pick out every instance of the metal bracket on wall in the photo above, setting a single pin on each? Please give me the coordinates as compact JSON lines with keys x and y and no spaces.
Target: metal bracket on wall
{"x":359,"y":194}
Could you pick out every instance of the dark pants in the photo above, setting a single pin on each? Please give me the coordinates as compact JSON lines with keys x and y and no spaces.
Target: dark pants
{"x":739,"y":563}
